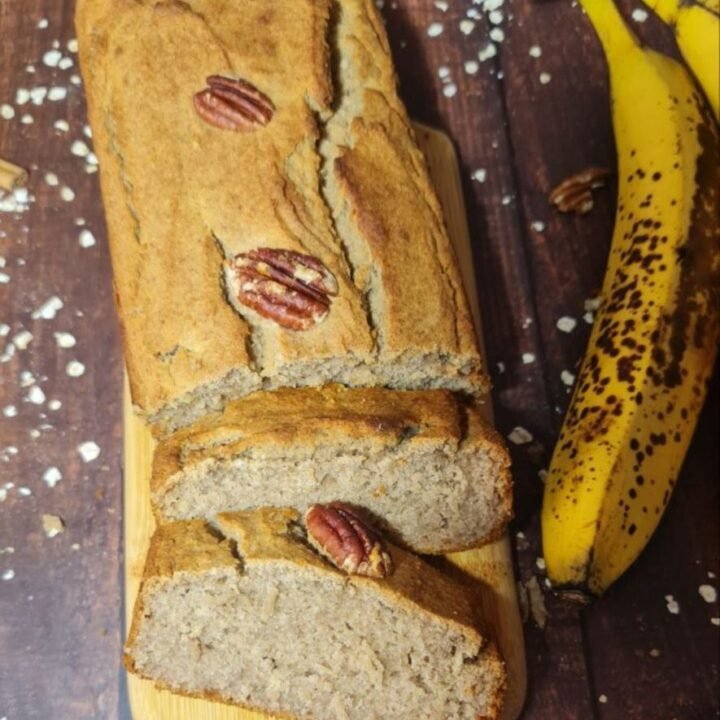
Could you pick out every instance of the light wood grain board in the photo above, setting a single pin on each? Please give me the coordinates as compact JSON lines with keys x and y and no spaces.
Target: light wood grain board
{"x":491,"y":565}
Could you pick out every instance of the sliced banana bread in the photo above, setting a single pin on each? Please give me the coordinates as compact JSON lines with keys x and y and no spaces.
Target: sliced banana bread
{"x":423,"y":464}
{"x":250,"y":615}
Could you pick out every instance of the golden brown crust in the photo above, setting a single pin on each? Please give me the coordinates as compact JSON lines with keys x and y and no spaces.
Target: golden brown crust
{"x":180,"y":195}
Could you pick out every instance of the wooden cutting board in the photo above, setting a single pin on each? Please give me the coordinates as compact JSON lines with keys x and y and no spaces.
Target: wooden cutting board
{"x":491,"y":565}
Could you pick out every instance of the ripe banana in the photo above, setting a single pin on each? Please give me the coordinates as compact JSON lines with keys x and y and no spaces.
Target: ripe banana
{"x":697,"y":29}
{"x":651,"y":352}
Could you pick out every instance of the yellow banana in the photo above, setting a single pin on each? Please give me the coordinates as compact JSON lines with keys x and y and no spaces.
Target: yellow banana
{"x":697,"y":28}
{"x":651,"y":352}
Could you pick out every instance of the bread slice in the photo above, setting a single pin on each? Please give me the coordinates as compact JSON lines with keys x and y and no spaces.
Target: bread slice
{"x":250,"y":615}
{"x":422,"y":464}
{"x":338,"y":178}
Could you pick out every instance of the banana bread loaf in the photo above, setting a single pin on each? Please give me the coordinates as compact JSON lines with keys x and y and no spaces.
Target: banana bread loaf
{"x":424,"y":465}
{"x":251,"y":615}
{"x":271,"y":219}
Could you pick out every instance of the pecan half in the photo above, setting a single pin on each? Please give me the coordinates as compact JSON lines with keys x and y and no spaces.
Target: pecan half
{"x":338,"y":533}
{"x":289,"y":287}
{"x":233,"y":104}
{"x":575,"y":193}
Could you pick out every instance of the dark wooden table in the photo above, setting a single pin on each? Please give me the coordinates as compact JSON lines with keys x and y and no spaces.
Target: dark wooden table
{"x":61,"y":608}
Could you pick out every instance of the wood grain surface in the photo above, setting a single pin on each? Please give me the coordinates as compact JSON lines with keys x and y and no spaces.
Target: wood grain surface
{"x":61,"y":609}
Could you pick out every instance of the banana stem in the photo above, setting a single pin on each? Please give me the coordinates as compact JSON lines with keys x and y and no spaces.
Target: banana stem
{"x":615,"y":36}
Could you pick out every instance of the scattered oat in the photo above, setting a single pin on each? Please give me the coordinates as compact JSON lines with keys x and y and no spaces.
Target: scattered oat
{"x":87,"y":131}
{"x":471,"y":67}
{"x":639,"y":15}
{"x":538,"y":226}
{"x":527,"y":322}
{"x":480,"y":175}
{"x":589,"y":318}
{"x":602,"y":699}
{"x":67,"y":193}
{"x":10,"y":411}
{"x":52,"y":477}
{"x":51,"y":58}
{"x":540,"y":563}
{"x":22,"y":339}
{"x":26,"y":378}
{"x":535,"y":51}
{"x":24,"y":491}
{"x":61,"y":125}
{"x":27,"y":119}
{"x":57,"y":93}
{"x":708,"y":593}
{"x":497,"y":35}
{"x":42,"y":24}
{"x":443,"y":72}
{"x":75,"y":368}
{"x":566,"y":324}
{"x":450,"y":90}
{"x":542,"y":474}
{"x":52,"y":525}
{"x":86,"y":239}
{"x":7,"y":112}
{"x":715,"y":621}
{"x":592,"y":304}
{"x":487,"y":52}
{"x":520,"y":436}
{"x":545,"y":78}
{"x":4,"y":278}
{"x":528,"y":358}
{"x":51,"y":179}
{"x":8,"y":574}
{"x":495,"y":17}
{"x":568,"y":378}
{"x":75,"y":79}
{"x":72,"y":45}
{"x":537,"y":602}
{"x":65,"y":63}
{"x":441,"y":5}
{"x":54,"y":405}
{"x":4,"y":329}
{"x":466,"y":26}
{"x":64,"y":339}
{"x":654,"y":652}
{"x":672,"y":605}
{"x":35,"y":395}
{"x":506,"y":199}
{"x":711,"y":574}
{"x":22,"y":96}
{"x":435,"y":29}
{"x":79,"y":149}
{"x":89,"y":451}
{"x":49,"y":309}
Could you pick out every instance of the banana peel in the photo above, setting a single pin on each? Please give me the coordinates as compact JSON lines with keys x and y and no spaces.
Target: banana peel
{"x":644,"y":377}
